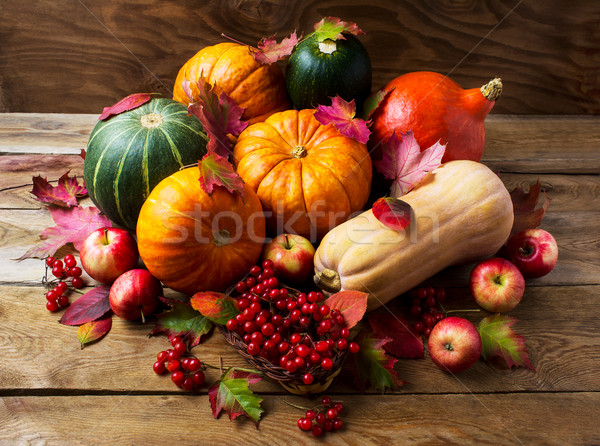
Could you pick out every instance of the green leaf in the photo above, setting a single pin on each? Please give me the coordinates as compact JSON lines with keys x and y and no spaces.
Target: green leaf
{"x":498,"y":339}
{"x":231,"y":394}
{"x":217,"y":307}
{"x":182,"y":320}
{"x":332,"y":28}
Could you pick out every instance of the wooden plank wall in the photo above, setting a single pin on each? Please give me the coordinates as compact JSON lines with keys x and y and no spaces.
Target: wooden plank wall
{"x":77,"y":56}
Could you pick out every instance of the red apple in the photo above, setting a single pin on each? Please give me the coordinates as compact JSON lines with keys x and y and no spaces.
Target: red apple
{"x":533,"y":251}
{"x":107,"y":253}
{"x":497,"y":285}
{"x":454,"y":344}
{"x":292,"y":257}
{"x":134,"y":294}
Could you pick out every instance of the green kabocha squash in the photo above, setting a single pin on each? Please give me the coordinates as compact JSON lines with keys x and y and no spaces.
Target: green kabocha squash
{"x":317,"y":71}
{"x":130,"y":153}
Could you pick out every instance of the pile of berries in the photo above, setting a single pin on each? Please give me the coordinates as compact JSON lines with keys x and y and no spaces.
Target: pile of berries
{"x":62,"y":270}
{"x":425,"y":306}
{"x":187,"y":372}
{"x":325,"y":419}
{"x":295,"y":331}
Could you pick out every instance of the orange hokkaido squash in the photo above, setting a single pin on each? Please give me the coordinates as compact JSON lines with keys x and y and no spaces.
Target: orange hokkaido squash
{"x":308,"y":176}
{"x":194,"y":242}
{"x":259,"y":89}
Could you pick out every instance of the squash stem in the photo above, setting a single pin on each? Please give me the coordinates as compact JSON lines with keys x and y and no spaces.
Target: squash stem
{"x":328,"y":280}
{"x":492,"y":90}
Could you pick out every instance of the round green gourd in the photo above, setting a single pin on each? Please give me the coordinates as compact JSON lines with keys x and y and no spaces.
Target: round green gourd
{"x":315,"y":72}
{"x":130,"y":153}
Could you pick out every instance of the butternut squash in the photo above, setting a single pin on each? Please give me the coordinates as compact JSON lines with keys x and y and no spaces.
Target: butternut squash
{"x":462,"y":213}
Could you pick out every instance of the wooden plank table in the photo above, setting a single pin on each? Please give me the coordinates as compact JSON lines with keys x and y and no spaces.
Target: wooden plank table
{"x":54,"y":393}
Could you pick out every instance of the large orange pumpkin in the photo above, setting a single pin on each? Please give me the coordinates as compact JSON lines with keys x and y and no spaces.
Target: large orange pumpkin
{"x":195,"y":242}
{"x":259,"y":89}
{"x":309,"y":177}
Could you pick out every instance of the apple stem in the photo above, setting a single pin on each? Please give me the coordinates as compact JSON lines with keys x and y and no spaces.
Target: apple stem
{"x":143,"y":318}
{"x":287,"y":245}
{"x":469,"y":310}
{"x":106,"y":236}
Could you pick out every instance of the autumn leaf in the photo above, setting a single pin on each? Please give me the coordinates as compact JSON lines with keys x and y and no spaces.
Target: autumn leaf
{"x":64,"y":194}
{"x":73,"y":225}
{"x":93,"y":330}
{"x":371,"y":366}
{"x":217,"y":307}
{"x":524,"y":207}
{"x":219,"y":114}
{"x":130,"y":102}
{"x":215,"y":170}
{"x":393,"y":213}
{"x":404,"y":342}
{"x":269,"y":51}
{"x":373,"y":101}
{"x":232,"y":395}
{"x":182,"y":320}
{"x":498,"y":339}
{"x":342,"y":115}
{"x":89,"y":307}
{"x":82,"y":154}
{"x":333,"y":27}
{"x":405,"y":163}
{"x":352,"y":305}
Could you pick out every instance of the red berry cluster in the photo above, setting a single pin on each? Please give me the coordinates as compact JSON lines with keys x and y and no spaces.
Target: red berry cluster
{"x":325,"y":420}
{"x":425,"y":305}
{"x":62,"y":270}
{"x":297,"y":332}
{"x":186,"y":371}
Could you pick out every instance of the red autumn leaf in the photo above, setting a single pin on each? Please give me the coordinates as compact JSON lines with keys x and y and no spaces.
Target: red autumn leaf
{"x":82,"y":154}
{"x":218,"y":113}
{"x":181,"y":320}
{"x":342,"y":115}
{"x":404,"y":342}
{"x":333,"y":27}
{"x":93,"y":330}
{"x":73,"y":225}
{"x":498,"y":339}
{"x":373,"y":101}
{"x":352,"y":305}
{"x":405,"y":163}
{"x":47,"y":193}
{"x":269,"y":51}
{"x":130,"y":102}
{"x":524,"y":207}
{"x":393,"y":213}
{"x":88,"y":307}
{"x":232,"y":395}
{"x":217,"y":307}
{"x":72,"y":186}
{"x":217,"y":171}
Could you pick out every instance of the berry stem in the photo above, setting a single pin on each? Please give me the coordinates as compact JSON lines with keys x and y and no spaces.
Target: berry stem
{"x":297,"y":406}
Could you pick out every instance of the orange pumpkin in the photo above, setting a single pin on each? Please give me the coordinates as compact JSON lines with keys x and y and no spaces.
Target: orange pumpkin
{"x":194,"y":242}
{"x":309,"y":177}
{"x":259,"y":89}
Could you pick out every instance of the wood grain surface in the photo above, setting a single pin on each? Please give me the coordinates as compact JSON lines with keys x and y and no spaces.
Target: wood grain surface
{"x":77,"y":56}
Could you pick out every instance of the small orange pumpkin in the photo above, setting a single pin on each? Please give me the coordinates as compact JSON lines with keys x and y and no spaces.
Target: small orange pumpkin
{"x":194,"y":242}
{"x":259,"y":89}
{"x":309,"y":177}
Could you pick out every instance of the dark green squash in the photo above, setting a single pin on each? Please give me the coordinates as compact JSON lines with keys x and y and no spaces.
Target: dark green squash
{"x":130,"y":153}
{"x":316,"y":72}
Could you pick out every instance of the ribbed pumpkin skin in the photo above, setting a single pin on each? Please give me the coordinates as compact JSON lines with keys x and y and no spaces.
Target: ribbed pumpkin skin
{"x":313,"y":77}
{"x":307,"y":195}
{"x":130,"y":153}
{"x":260,"y":89}
{"x":179,"y":228}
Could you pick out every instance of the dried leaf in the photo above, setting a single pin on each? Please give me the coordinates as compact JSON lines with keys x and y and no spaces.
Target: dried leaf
{"x":342,"y":115}
{"x":333,"y":27}
{"x":47,"y":193}
{"x":89,"y":307}
{"x":217,"y":307}
{"x":269,"y":51}
{"x":72,"y":186}
{"x":524,"y":207}
{"x":393,"y":213}
{"x":352,"y":305}
{"x":404,"y":342}
{"x":217,"y":171}
{"x":182,"y":320}
{"x":405,"y":163}
{"x":498,"y":339}
{"x":82,"y":154}
{"x":232,"y":395}
{"x":130,"y":102}
{"x":373,"y":101}
{"x":93,"y":330}
{"x":73,"y":225}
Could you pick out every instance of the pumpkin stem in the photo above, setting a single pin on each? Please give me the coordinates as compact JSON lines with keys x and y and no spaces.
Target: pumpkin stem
{"x":328,"y":280}
{"x":151,"y":120}
{"x":492,"y":90}
{"x":221,"y":238}
{"x":327,"y":46}
{"x":299,"y":152}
